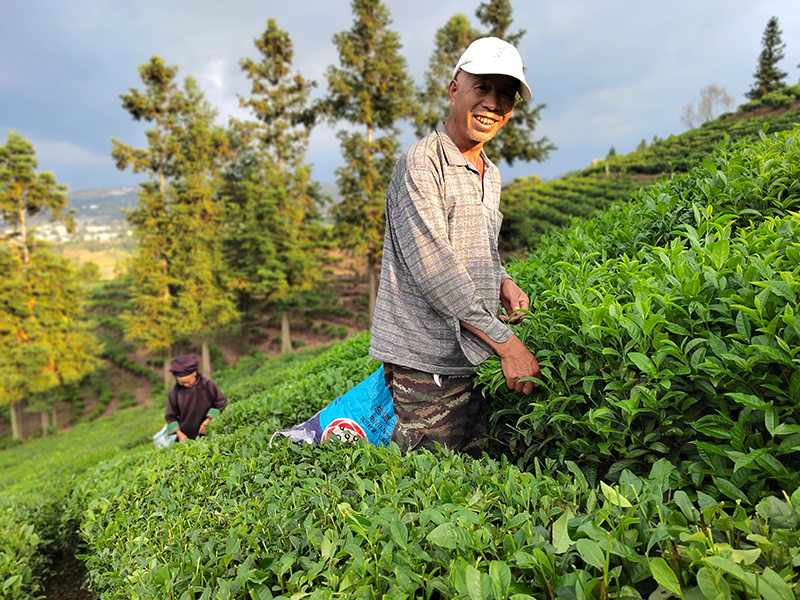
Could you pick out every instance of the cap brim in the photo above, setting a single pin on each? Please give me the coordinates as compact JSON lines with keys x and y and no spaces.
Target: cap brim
{"x":489,"y":67}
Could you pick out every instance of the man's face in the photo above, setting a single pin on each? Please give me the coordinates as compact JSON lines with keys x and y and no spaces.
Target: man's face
{"x":482,"y":104}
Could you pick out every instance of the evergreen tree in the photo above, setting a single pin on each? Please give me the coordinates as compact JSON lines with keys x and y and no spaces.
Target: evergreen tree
{"x":44,"y":342}
{"x":370,"y":89}
{"x":496,"y":15}
{"x":449,"y":44}
{"x":273,"y":239}
{"x":516,"y":140}
{"x":180,"y":284}
{"x":768,"y":77}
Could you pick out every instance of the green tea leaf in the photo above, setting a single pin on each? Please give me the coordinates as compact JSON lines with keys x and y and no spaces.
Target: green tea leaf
{"x":643,"y":362}
{"x":614,"y":496}
{"x":561,"y":541}
{"x":745,"y":460}
{"x":500,"y":575}
{"x":664,"y":575}
{"x":730,"y":567}
{"x":683,"y":502}
{"x":261,"y":592}
{"x":591,"y":553}
{"x":399,"y":533}
{"x":473,"y":581}
{"x":777,"y":583}
{"x":713,"y":585}
{"x":730,"y":490}
{"x":748,"y":400}
{"x":743,"y":326}
{"x":451,"y":536}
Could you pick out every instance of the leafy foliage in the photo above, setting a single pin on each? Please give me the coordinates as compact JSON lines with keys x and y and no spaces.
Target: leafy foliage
{"x":532,"y":208}
{"x":665,"y":328}
{"x":272,"y":242}
{"x":370,"y":88}
{"x":768,"y":78}
{"x":180,"y":284}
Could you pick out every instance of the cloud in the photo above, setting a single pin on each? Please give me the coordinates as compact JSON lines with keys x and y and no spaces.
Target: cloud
{"x":53,"y":155}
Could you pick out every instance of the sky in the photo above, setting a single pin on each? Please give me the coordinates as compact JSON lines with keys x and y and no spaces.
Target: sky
{"x":611,"y":72}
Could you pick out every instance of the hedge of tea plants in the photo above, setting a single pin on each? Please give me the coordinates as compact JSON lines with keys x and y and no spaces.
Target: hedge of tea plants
{"x":35,"y":481}
{"x":666,"y":328}
{"x":532,"y":208}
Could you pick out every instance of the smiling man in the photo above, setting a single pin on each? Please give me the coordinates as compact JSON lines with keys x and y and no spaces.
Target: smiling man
{"x":437,"y":314}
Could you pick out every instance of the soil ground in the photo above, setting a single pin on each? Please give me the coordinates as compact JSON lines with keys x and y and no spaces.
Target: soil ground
{"x":67,"y":579}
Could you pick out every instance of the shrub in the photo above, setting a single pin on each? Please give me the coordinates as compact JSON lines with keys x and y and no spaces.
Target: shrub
{"x":777,"y":99}
{"x":239,"y":518}
{"x":666,"y":329}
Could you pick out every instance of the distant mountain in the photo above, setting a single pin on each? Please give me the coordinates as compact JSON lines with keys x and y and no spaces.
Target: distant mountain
{"x":104,"y":203}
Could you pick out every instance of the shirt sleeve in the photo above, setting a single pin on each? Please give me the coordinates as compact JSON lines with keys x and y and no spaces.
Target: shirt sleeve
{"x":218,"y":400}
{"x":172,"y":414}
{"x":421,"y":227}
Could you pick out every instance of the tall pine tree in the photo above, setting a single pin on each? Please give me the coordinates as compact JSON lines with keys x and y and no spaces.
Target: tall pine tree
{"x":372,"y":90}
{"x":44,"y":340}
{"x":273,"y":236}
{"x":516,"y":140}
{"x":180,"y":285}
{"x":768,"y":77}
{"x":449,"y":44}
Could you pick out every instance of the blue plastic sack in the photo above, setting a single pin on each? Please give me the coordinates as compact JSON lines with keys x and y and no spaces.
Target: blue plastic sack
{"x":365,"y":411}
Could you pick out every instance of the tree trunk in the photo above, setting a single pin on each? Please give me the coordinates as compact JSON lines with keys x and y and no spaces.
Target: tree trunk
{"x":205,"y":360}
{"x":16,"y":422}
{"x":286,"y":337}
{"x":55,"y":417}
{"x":45,"y":422}
{"x":167,"y":378}
{"x":373,"y":286}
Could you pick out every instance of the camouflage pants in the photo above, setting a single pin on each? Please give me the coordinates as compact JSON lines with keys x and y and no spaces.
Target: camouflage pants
{"x":444,"y":409}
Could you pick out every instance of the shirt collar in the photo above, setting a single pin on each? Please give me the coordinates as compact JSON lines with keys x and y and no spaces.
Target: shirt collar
{"x":454,"y":155}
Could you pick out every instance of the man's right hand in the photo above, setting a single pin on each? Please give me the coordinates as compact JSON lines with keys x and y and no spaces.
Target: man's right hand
{"x":518,"y":363}
{"x":181,"y":436}
{"x":516,"y":360}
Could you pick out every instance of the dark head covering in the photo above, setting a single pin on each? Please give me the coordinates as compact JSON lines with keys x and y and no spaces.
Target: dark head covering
{"x":184,"y":365}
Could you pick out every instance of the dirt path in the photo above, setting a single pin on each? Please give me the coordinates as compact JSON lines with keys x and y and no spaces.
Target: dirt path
{"x":67,"y":580}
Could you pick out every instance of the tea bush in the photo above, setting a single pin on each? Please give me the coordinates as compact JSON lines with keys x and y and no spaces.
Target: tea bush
{"x":533,"y":209}
{"x":35,"y":480}
{"x":666,"y":329}
{"x":233,"y":517}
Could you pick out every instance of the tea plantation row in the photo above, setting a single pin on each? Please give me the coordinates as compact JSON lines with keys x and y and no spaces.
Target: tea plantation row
{"x":532,"y":208}
{"x":659,"y":458}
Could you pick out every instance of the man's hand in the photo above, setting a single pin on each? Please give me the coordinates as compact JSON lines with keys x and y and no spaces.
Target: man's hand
{"x":181,"y":436}
{"x":518,"y":363}
{"x":516,"y":360}
{"x":513,"y":298}
{"x":202,"y":430}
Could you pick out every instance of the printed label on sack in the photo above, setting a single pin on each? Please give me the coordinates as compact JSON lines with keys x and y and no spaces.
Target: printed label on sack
{"x":347,"y":430}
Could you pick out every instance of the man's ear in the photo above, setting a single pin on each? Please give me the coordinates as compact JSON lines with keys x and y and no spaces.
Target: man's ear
{"x":452,"y":88}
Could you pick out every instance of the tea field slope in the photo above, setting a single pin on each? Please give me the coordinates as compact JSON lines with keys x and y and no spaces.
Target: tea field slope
{"x":658,"y":458}
{"x":532,"y":208}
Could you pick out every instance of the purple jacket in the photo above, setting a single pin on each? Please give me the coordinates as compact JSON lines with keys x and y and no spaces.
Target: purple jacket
{"x":188,"y":407}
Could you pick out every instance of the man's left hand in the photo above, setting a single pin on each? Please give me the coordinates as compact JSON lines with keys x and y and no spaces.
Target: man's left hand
{"x":202,"y":430}
{"x":513,"y":298}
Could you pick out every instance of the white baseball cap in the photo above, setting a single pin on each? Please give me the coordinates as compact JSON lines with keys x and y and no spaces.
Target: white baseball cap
{"x":493,"y":56}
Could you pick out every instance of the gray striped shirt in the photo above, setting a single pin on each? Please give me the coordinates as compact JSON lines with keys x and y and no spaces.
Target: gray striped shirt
{"x":440,"y":263}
